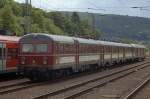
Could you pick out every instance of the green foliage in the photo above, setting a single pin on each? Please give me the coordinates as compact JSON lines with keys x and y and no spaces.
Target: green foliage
{"x":59,"y":20}
{"x":128,"y":41}
{"x":17,"y":9}
{"x":75,"y":17}
{"x":3,"y":3}
{"x":51,"y":27}
{"x":1,"y":24}
{"x":8,"y":20}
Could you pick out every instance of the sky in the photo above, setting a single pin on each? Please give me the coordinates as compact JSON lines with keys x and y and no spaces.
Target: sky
{"x":120,"y":7}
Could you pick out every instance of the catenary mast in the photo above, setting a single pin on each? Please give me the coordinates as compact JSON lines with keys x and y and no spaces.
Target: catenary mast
{"x":27,"y":14}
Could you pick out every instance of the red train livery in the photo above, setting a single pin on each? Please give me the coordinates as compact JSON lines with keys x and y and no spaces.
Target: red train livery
{"x":43,"y":56}
{"x":8,"y":53}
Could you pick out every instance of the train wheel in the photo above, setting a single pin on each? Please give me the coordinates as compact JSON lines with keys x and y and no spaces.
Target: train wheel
{"x":69,"y":71}
{"x":32,"y":78}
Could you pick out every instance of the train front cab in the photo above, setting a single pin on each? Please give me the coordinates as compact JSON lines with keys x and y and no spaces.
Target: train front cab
{"x":42,"y":56}
{"x":34,"y":56}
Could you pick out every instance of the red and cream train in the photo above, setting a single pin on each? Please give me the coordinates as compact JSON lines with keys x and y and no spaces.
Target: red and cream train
{"x":42,"y":56}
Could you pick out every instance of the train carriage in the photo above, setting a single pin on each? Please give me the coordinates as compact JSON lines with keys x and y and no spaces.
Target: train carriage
{"x":138,"y":51}
{"x":114,"y":52}
{"x":88,"y":53}
{"x":8,"y":54}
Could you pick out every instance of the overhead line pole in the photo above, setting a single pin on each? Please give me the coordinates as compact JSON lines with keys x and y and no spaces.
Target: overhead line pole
{"x":27,"y":14}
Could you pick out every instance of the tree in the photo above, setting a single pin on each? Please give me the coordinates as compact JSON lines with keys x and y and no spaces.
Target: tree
{"x":7,"y":17}
{"x":1,"y":25}
{"x":35,"y":28}
{"x":75,"y":17}
{"x":38,"y":18}
{"x":51,"y":28}
{"x":59,"y":20}
{"x":3,"y":3}
{"x":17,"y":9}
{"x":10,"y":21}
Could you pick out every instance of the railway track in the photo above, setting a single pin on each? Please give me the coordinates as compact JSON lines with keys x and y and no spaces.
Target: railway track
{"x":7,"y":84}
{"x":18,"y":86}
{"x":136,"y":89}
{"x":75,"y":90}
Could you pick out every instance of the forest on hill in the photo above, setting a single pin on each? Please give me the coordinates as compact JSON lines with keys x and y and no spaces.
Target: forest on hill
{"x":11,"y":19}
{"x":121,"y":28}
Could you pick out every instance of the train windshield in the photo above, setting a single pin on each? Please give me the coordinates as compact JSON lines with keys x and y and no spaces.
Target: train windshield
{"x":27,"y":48}
{"x":41,"y":48}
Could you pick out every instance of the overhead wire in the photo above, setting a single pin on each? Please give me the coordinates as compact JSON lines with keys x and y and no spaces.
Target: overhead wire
{"x":96,"y":7}
{"x":50,"y":7}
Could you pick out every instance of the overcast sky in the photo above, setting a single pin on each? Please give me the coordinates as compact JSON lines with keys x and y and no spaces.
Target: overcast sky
{"x":121,"y":7}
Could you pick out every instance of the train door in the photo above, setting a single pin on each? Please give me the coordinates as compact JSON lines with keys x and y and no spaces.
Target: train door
{"x":2,"y":57}
{"x":12,"y":56}
{"x":102,"y":54}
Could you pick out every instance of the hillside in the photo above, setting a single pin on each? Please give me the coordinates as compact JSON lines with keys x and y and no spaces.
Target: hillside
{"x":118,"y":28}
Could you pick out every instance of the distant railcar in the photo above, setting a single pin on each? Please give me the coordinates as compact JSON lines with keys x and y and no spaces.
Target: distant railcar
{"x":43,"y":56}
{"x":8,"y":54}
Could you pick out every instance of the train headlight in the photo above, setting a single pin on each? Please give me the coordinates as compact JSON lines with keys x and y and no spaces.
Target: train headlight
{"x":33,"y":61}
{"x":22,"y":60}
{"x":45,"y":60}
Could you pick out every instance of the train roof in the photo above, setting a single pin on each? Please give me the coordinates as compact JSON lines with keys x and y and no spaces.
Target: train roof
{"x":71,"y":40}
{"x":138,"y":46}
{"x":86,"y":41}
{"x":114,"y":44}
{"x":47,"y":37}
{"x":9,"y":38}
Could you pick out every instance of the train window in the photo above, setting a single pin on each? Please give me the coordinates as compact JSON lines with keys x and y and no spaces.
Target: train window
{"x":69,"y":49}
{"x":12,"y":53}
{"x":60,"y":48}
{"x":0,"y":53}
{"x":27,"y":48}
{"x":41,"y":48}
